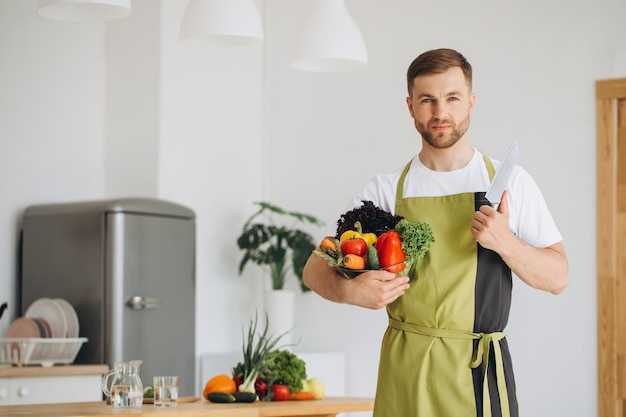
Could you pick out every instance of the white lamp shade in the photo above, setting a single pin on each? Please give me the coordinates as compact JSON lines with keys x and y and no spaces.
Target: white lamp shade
{"x":331,"y":40}
{"x":84,"y":10}
{"x":222,"y":22}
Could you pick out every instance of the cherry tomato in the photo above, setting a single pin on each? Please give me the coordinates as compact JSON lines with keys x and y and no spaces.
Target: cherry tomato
{"x":281,"y":392}
{"x":260,"y":387}
{"x":356,"y":246}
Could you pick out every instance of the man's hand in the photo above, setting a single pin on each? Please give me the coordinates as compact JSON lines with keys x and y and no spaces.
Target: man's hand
{"x":376,"y":289}
{"x":491,"y":227}
{"x":542,"y":268}
{"x":372,"y":289}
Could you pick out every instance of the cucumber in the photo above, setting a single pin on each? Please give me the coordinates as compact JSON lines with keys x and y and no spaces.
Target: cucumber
{"x":372,"y":258}
{"x":244,"y":397}
{"x":220,"y":397}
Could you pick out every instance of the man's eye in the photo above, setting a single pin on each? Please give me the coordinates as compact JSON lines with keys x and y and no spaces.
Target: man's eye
{"x":453,"y":99}
{"x":427,"y":100}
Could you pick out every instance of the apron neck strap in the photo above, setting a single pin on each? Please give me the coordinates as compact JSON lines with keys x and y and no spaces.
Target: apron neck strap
{"x":400,"y":189}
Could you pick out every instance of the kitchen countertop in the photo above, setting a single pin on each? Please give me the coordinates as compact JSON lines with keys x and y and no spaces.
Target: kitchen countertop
{"x":327,"y":407}
{"x":59,"y":370}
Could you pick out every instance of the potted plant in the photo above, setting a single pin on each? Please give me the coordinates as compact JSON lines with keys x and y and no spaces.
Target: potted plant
{"x":283,"y":248}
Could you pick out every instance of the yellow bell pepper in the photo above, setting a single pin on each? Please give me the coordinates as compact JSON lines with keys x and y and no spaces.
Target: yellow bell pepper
{"x":370,"y":238}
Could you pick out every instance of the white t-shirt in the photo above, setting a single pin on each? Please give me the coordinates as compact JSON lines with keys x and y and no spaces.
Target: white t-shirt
{"x":529,"y":218}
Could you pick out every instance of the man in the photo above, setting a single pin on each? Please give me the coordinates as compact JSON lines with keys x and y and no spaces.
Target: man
{"x":444,"y":353}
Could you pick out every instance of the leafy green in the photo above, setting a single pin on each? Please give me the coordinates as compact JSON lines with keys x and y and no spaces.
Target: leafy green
{"x":416,"y":238}
{"x":284,"y":367}
{"x":269,"y":244}
{"x":256,"y":349}
{"x":373,"y":219}
{"x":148,"y":391}
{"x":331,"y":260}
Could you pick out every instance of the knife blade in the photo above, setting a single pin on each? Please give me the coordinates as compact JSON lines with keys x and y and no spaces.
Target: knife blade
{"x":502,"y":175}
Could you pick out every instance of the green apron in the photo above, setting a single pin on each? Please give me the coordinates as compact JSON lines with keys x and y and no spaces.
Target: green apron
{"x":444,"y":353}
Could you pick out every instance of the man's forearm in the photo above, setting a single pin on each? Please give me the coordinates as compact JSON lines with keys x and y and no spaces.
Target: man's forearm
{"x":372,"y":289}
{"x":323,"y":280}
{"x":545,"y":269}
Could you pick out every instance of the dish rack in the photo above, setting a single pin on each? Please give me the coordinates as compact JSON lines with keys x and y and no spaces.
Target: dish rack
{"x":39,"y":351}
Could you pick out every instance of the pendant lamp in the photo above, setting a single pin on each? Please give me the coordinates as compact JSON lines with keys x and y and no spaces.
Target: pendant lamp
{"x":222,"y":22}
{"x":84,"y":10}
{"x":331,"y":40}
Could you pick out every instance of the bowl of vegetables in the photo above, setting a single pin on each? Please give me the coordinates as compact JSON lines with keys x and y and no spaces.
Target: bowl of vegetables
{"x":353,"y":273}
{"x":369,"y":238}
{"x":354,"y":255}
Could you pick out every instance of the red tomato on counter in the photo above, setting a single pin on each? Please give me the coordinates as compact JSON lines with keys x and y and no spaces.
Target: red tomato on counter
{"x":281,"y":392}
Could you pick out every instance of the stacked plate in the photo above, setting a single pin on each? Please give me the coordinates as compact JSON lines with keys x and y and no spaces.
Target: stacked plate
{"x":46,"y":318}
{"x":46,"y":335}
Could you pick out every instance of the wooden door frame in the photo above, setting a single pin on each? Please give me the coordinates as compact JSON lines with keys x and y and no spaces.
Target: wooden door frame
{"x":610,"y":366}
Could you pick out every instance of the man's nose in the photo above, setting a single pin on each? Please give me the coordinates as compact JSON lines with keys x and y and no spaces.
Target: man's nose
{"x":440,"y":110}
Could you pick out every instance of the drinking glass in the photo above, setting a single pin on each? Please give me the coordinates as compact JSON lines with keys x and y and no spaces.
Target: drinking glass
{"x":165,"y":391}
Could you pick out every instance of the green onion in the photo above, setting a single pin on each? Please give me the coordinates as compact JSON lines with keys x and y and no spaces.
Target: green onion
{"x":255,"y":353}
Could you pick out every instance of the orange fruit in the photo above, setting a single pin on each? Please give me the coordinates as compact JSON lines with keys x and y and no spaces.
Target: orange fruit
{"x":219,"y":383}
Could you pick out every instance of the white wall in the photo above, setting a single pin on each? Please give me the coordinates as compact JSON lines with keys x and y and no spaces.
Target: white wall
{"x":51,"y":121}
{"x":222,"y":128}
{"x":133,"y":102}
{"x":210,"y":158}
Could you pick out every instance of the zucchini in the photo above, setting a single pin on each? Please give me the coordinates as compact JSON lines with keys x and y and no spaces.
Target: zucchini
{"x":372,"y":257}
{"x":244,"y":397}
{"x":220,"y":397}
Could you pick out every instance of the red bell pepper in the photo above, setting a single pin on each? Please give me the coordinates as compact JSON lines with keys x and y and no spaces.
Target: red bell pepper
{"x":390,"y":252}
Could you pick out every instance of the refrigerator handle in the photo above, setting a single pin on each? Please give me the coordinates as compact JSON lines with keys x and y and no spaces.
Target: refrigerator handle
{"x":142,"y":303}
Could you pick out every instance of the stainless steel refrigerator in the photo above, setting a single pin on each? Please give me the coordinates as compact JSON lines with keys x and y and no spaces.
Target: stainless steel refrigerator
{"x":128,"y":268}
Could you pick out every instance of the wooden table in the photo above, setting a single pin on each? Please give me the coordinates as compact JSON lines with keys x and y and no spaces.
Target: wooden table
{"x":328,"y":407}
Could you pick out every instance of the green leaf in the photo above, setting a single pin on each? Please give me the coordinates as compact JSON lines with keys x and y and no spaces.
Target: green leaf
{"x":271,"y":244}
{"x":256,"y":348}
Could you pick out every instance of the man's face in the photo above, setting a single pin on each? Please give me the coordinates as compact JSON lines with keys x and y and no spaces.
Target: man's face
{"x":440,"y":105}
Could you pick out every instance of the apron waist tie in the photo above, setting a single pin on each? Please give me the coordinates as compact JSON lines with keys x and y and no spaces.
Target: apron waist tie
{"x":480,"y":355}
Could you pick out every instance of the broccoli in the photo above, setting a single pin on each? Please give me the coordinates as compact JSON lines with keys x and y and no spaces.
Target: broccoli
{"x":416,"y":238}
{"x":284,"y":367}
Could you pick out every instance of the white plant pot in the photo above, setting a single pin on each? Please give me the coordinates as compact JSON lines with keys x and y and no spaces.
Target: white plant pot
{"x":280,"y":308}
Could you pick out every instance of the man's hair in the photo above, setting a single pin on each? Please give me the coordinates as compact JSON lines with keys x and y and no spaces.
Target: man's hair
{"x":437,"y":61}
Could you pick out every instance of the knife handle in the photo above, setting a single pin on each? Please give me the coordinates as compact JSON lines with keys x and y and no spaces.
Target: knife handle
{"x":481,"y":200}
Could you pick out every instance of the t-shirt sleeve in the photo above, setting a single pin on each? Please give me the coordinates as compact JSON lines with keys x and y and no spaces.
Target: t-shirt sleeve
{"x":380,"y":190}
{"x":531,"y":219}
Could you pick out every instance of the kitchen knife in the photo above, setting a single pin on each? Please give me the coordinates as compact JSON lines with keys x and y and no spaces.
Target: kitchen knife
{"x":503,"y":173}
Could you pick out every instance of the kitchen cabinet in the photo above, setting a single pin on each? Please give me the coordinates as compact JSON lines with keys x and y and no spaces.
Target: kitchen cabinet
{"x":59,"y":384}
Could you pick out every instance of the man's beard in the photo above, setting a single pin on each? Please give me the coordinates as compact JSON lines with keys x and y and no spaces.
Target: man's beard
{"x":443,"y":140}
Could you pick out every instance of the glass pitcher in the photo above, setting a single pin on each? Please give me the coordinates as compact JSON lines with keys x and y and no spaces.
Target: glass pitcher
{"x":123,"y":385}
